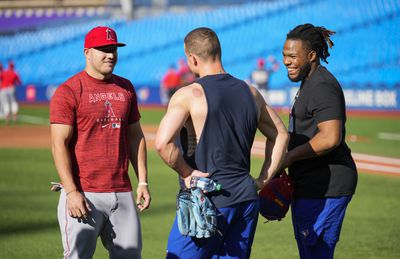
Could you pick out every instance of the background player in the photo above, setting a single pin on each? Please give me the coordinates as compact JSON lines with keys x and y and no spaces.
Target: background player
{"x":170,"y":83}
{"x":261,"y":76}
{"x":10,"y":80}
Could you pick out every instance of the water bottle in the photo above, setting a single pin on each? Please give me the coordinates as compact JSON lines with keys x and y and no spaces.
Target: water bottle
{"x":205,"y":184}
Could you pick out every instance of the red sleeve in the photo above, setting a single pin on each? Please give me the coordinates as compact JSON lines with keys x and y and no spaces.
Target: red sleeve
{"x":134,"y":115}
{"x":63,"y":106}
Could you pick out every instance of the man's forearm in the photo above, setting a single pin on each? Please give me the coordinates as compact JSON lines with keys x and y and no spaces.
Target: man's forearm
{"x":317,"y":146}
{"x":62,"y":162}
{"x":301,"y":152}
{"x":172,"y":156}
{"x":139,"y":159}
{"x":276,"y":150}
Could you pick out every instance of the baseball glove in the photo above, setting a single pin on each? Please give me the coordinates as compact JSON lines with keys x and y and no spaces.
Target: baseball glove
{"x":275,"y":197}
{"x":197,"y":216}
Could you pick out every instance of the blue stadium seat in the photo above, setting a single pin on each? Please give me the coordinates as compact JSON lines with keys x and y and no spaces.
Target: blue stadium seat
{"x":366,"y":48}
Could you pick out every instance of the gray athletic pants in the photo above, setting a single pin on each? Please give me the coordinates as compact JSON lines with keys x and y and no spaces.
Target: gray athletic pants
{"x":113,"y":217}
{"x":8,"y":102}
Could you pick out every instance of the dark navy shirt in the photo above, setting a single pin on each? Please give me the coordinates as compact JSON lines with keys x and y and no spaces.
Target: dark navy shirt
{"x":225,"y":143}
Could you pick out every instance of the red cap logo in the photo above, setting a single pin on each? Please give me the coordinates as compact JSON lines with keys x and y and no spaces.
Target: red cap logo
{"x":101,"y":36}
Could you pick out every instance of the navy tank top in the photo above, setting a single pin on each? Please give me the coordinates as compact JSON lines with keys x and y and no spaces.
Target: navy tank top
{"x":225,"y":143}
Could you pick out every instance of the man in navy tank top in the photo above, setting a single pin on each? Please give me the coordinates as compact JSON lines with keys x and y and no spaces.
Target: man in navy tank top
{"x":218,"y":115}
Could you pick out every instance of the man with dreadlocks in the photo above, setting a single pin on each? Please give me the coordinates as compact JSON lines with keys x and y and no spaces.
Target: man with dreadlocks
{"x":319,"y":161}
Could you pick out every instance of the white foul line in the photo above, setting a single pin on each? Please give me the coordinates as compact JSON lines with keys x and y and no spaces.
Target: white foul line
{"x":379,"y":168}
{"x":363,"y":162}
{"x":389,"y":136}
{"x":376,"y":159}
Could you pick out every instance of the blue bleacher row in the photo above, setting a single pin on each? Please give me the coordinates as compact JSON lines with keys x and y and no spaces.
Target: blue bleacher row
{"x":24,"y":43}
{"x":17,"y":20}
{"x":366,"y":51}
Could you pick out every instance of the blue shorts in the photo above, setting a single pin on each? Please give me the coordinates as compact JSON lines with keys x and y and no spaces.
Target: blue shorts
{"x":317,"y":224}
{"x":237,"y":225}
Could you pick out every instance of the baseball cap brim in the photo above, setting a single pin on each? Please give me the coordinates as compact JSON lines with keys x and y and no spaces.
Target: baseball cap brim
{"x":119,"y":44}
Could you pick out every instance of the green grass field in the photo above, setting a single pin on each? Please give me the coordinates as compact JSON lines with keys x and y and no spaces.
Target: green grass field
{"x":367,"y":129}
{"x":29,"y":228}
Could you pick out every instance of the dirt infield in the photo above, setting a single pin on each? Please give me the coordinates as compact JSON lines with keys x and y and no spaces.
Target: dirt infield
{"x":25,"y":137}
{"x":39,"y":137}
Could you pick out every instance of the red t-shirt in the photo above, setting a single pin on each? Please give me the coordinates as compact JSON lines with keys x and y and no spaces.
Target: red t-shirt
{"x":9,"y":78}
{"x":100,"y":112}
{"x":171,"y":79}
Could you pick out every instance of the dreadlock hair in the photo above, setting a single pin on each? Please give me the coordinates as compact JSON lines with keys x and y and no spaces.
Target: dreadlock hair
{"x":316,"y":38}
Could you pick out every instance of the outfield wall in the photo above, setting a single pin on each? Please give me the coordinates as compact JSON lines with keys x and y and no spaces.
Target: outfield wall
{"x":356,"y":98}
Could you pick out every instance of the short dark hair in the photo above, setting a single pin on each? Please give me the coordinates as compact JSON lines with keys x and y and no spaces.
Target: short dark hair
{"x":204,"y":43}
{"x":316,"y":38}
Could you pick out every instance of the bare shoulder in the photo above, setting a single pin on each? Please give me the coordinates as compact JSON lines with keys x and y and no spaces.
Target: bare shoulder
{"x":192,"y":90}
{"x":258,"y":99}
{"x":254,"y":91}
{"x":189,"y":93}
{"x":185,"y":96}
{"x":257,"y":96}
{"x":196,"y":90}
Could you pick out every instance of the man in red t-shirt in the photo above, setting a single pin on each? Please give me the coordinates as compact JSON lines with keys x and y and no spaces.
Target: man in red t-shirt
{"x":187,"y":77}
{"x":9,"y":80}
{"x":170,"y":83}
{"x":95,"y":131}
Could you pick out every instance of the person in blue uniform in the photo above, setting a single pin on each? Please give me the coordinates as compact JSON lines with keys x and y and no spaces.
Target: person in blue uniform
{"x":218,"y":116}
{"x":319,"y":161}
